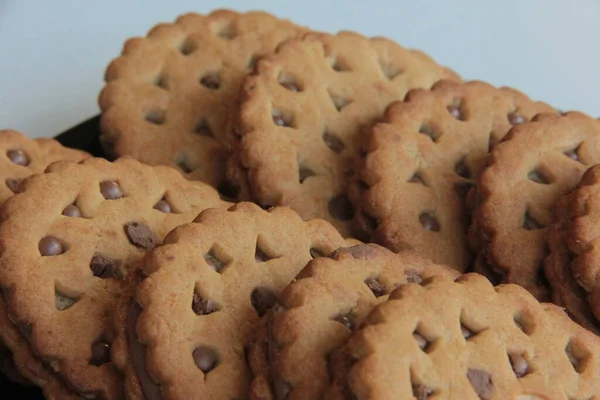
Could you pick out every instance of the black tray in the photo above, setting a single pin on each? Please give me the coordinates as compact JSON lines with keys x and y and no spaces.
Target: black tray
{"x":85,"y":136}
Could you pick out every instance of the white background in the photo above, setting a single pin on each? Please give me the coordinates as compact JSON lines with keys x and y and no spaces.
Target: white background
{"x":53,"y":53}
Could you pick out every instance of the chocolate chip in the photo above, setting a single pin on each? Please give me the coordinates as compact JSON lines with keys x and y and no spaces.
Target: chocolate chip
{"x":63,"y":302}
{"x":421,"y":392}
{"x":340,"y":208}
{"x":18,"y":157}
{"x":417,"y":178}
{"x":333,"y":142}
{"x":305,"y":172}
{"x":163,"y":206}
{"x":466,"y":332}
{"x":572,"y":154}
{"x":203,"y":306}
{"x":211,"y":81}
{"x":347,"y":320}
{"x":316,"y":253}
{"x":291,"y":86}
{"x":50,"y":246}
{"x":455,"y":111}
{"x":482,"y":384}
{"x":516,"y":119}
{"x":359,"y":251}
{"x":140,"y":235}
{"x":105,"y":268}
{"x":421,"y":341}
{"x":531,"y":223}
{"x":205,"y":358}
{"x":519,"y":365}
{"x":100,"y":353}
{"x":462,"y":169}
{"x":13,"y":184}
{"x":111,"y":190}
{"x":412,"y":277}
{"x":212,"y":261}
{"x":429,"y":222}
{"x":376,"y":287}
{"x":263,"y":299}
{"x":72,"y":211}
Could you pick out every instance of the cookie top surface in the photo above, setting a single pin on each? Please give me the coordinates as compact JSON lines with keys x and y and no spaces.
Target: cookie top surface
{"x":465,"y":339}
{"x":316,"y":314}
{"x":67,"y":241}
{"x":538,"y":162}
{"x":303,"y":108}
{"x":420,"y":161}
{"x":168,"y":97}
{"x":22,"y":156}
{"x":205,"y":291}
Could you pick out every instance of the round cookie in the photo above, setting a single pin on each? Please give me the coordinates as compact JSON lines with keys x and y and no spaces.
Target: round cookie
{"x":572,"y":265}
{"x":205,"y":291}
{"x":466,"y":340}
{"x":419,"y":163}
{"x":168,"y":98}
{"x":67,"y":241}
{"x":302,"y":110}
{"x":536,"y":164}
{"x":315,"y":315}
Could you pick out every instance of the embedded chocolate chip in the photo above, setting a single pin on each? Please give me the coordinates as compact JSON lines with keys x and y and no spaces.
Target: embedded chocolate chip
{"x":333,"y":142}
{"x":359,"y":251}
{"x":516,"y":119}
{"x":376,"y":287}
{"x":347,"y":320}
{"x":537,"y":176}
{"x":412,"y":277}
{"x":140,"y":235}
{"x":212,"y":261}
{"x":72,"y":211}
{"x":466,"y":332}
{"x":429,"y":222}
{"x":203,"y":306}
{"x":63,"y":302}
{"x":572,"y":154}
{"x":111,"y":190}
{"x":519,"y":365}
{"x":340,"y":208}
{"x":203,"y":128}
{"x":156,"y":117}
{"x":211,"y":81}
{"x":50,"y":246}
{"x":305,"y":172}
{"x":429,"y":132}
{"x":462,"y":169}
{"x":417,"y":178}
{"x":105,"y":268}
{"x":13,"y":184}
{"x":263,"y":299}
{"x":421,"y":341}
{"x":530,"y":223}
{"x":163,"y":206}
{"x":455,"y":111}
{"x":18,"y":157}
{"x":421,"y":392}
{"x":481,"y":381}
{"x":205,"y":358}
{"x":100,"y":353}
{"x":291,"y":86}
{"x":315,"y":253}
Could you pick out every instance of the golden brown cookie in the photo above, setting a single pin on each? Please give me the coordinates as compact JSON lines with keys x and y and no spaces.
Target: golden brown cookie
{"x":536,"y":164}
{"x":302,"y":109}
{"x":67,"y":241}
{"x":169,"y":97}
{"x":205,"y":291}
{"x":419,"y":163}
{"x":572,"y":266}
{"x":466,"y":340}
{"x":315,"y":315}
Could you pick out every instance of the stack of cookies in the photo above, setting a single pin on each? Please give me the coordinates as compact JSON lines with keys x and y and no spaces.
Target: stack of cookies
{"x":289,"y":214}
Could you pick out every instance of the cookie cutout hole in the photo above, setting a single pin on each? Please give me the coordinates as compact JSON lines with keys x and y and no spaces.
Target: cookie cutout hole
{"x":524,"y":323}
{"x":347,"y":320}
{"x":455,"y":110}
{"x":334,"y":142}
{"x":100,"y":353}
{"x":203,"y":306}
{"x":111,"y":190}
{"x":214,"y":261}
{"x":429,"y":222}
{"x":462,"y":189}
{"x":413,"y":277}
{"x":283,"y":119}
{"x":572,"y":154}
{"x":530,"y":223}
{"x":227,"y":191}
{"x":72,"y":211}
{"x":289,"y":82}
{"x":263,"y":299}
{"x":519,"y":365}
{"x":461,"y":169}
{"x":375,"y":286}
{"x":203,"y":128}
{"x":63,"y":302}
{"x":187,"y":48}
{"x":13,"y":184}
{"x":211,"y":81}
{"x":205,"y":358}
{"x":161,"y":82}
{"x":104,"y":267}
{"x":304,"y":173}
{"x":252,"y":62}
{"x":316,"y":253}
{"x":429,"y":132}
{"x":577,"y":355}
{"x":163,"y":206}
{"x":260,"y":255}
{"x":418,"y":179}
{"x":339,"y":102}
{"x":226,"y":32}
{"x":515,"y":118}
{"x":156,"y":117}
{"x":469,"y":329}
{"x":424,"y":344}
{"x":183,"y":164}
{"x":422,"y":392}
{"x":390,"y":71}
{"x":538,"y":176}
{"x":340,"y":208}
{"x":18,"y":157}
{"x":368,"y":222}
{"x":481,"y":382}
{"x":50,"y":246}
{"x":339,"y":65}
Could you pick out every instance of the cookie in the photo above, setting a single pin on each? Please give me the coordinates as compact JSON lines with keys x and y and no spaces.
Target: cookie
{"x":419,"y":163}
{"x":169,"y":96}
{"x":205,"y":291}
{"x":572,"y":264}
{"x":302,"y":110}
{"x":67,"y":241}
{"x":466,"y":339}
{"x":536,"y":164}
{"x":315,"y":315}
